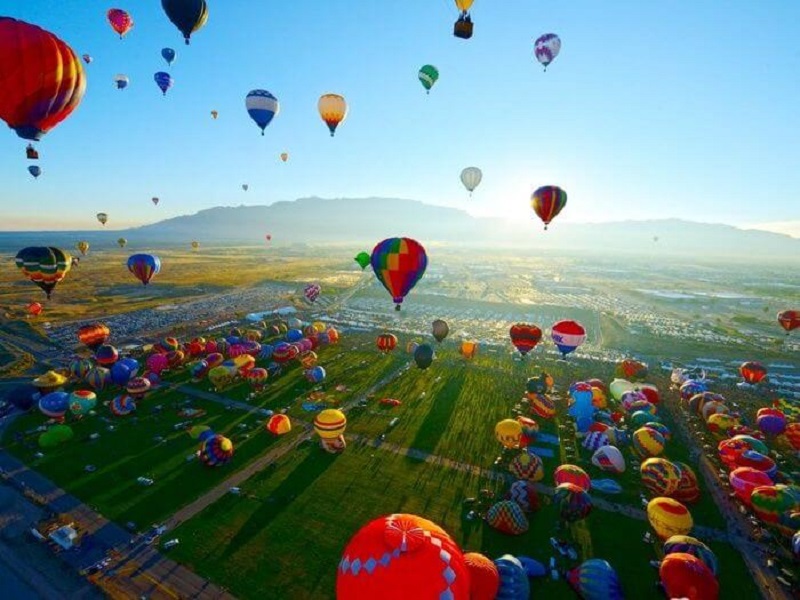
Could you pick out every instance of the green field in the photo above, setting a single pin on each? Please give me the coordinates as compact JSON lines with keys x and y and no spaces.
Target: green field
{"x":282,"y":537}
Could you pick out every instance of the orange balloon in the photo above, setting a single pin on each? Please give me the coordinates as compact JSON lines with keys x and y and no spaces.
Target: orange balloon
{"x":42,"y":79}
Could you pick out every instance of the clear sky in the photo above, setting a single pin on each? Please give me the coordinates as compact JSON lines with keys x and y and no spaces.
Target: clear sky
{"x":683,"y":109}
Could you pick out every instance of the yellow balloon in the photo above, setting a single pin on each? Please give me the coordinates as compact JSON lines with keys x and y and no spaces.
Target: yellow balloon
{"x":333,"y":110}
{"x":669,"y":517}
{"x":464,"y":5}
{"x":83,"y":247}
{"x":330,"y":423}
{"x":508,"y":432}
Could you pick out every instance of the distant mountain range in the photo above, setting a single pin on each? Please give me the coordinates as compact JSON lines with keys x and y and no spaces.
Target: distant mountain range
{"x":368,"y":220}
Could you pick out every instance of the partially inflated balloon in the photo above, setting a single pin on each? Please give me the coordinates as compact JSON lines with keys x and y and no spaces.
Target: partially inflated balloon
{"x":45,"y":266}
{"x":547,"y":202}
{"x":399,"y":263}
{"x":595,"y":579}
{"x":187,"y":15}
{"x":144,"y":266}
{"x":120,"y":21}
{"x":42,"y":79}
{"x":333,"y":110}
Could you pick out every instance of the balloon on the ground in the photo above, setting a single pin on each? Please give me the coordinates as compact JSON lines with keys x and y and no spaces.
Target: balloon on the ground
{"x":609,"y":458}
{"x":668,"y":517}
{"x":693,"y":546}
{"x":418,"y":551}
{"x":508,"y":433}
{"x":330,"y":425}
{"x":483,"y":575}
{"x":572,"y":474}
{"x":216,"y":451}
{"x":528,"y":466}
{"x":514,"y":584}
{"x":524,"y":493}
{"x":686,"y":576}
{"x":595,"y":579}
{"x":279,"y":424}
{"x":508,"y":517}
{"x":659,"y":476}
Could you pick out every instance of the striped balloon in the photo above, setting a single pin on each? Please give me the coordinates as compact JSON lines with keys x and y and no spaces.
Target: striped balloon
{"x":399,"y":263}
{"x":547,"y":202}
{"x":262,"y":107}
{"x":163,"y":81}
{"x":45,"y":266}
{"x":144,"y":266}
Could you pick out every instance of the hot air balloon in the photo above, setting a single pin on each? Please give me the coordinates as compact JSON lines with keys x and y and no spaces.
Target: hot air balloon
{"x":43,"y":79}
{"x":525,"y":337}
{"x":35,"y":309}
{"x":440,"y":329}
{"x":103,"y":218}
{"x":122,"y":242}
{"x":262,"y":107}
{"x":187,"y":15}
{"x":572,"y":474}
{"x":155,"y":201}
{"x":609,"y":458}
{"x":463,"y":26}
{"x":423,"y":356}
{"x":284,"y":156}
{"x":94,"y":335}
{"x":693,"y":546}
{"x":572,"y":502}
{"x":216,"y":451}
{"x":468,"y":349}
{"x":630,"y":369}
{"x":399,"y":263}
{"x":35,"y":170}
{"x":484,"y":577}
{"x":547,"y":202}
{"x":753,"y":372}
{"x":330,"y":425}
{"x":424,"y":562}
{"x":546,"y":48}
{"x":163,"y":81}
{"x":789,"y":320}
{"x":120,"y":21}
{"x":278,"y":425}
{"x":333,"y":110}
{"x":214,"y":114}
{"x":744,"y":480}
{"x":144,"y":266}
{"x":195,"y":245}
{"x":168,"y":54}
{"x":595,"y":579}
{"x":106,"y":355}
{"x":508,"y":432}
{"x":668,"y":517}
{"x":121,"y":81}
{"x":660,"y":476}
{"x":83,"y":247}
{"x":686,"y":576}
{"x":428,"y":74}
{"x":471,"y":178}
{"x":245,"y":187}
{"x":87,"y":59}
{"x":362,"y":258}
{"x":568,"y":335}
{"x":386,"y":342}
{"x":311,"y":292}
{"x":81,"y":402}
{"x":54,"y":404}
{"x":45,"y":266}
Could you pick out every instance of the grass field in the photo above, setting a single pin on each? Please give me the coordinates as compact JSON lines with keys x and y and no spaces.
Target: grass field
{"x":283,"y":537}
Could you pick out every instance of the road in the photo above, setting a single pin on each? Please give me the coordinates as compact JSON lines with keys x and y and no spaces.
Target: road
{"x":258,"y":465}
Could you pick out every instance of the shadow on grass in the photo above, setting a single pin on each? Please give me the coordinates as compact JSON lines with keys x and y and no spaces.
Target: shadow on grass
{"x":303,"y":475}
{"x":438,"y":417}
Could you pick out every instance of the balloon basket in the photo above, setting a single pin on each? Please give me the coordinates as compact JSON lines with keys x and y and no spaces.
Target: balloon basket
{"x":463,"y":29}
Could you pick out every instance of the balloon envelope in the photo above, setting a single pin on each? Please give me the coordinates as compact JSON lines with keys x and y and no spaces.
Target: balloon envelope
{"x":399,"y":263}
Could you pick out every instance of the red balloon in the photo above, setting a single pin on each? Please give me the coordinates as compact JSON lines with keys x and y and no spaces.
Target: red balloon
{"x":120,"y":21}
{"x":753,"y":372}
{"x":525,"y":337}
{"x":686,"y":576}
{"x":41,"y":77}
{"x":789,"y":319}
{"x":35,"y":309}
{"x":386,"y":342}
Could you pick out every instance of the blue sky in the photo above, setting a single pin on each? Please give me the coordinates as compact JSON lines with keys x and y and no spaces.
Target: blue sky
{"x":652,"y":110}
